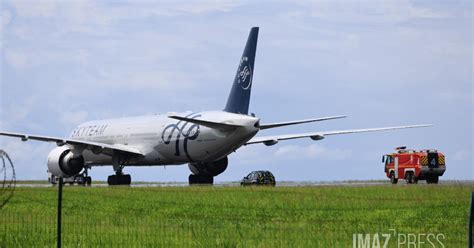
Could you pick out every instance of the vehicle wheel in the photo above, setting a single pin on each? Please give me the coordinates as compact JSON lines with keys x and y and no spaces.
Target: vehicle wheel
{"x":432,"y":179}
{"x":88,"y":181}
{"x":409,"y":177}
{"x":393,"y":180}
{"x":200,"y":179}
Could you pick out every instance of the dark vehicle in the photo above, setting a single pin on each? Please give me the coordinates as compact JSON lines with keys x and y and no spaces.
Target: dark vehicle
{"x":259,"y":178}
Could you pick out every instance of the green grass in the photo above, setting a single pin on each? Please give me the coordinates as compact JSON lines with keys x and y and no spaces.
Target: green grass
{"x":322,"y":216}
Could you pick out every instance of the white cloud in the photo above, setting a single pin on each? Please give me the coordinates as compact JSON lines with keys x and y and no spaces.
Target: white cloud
{"x":22,"y":57}
{"x":74,"y":117}
{"x":461,"y":155}
{"x":177,"y":8}
{"x":5,"y":18}
{"x":18,"y":114}
{"x":32,"y":9}
{"x":253,"y":155}
{"x":313,"y":151}
{"x":376,"y":12}
{"x":15,"y":59}
{"x":94,"y":17}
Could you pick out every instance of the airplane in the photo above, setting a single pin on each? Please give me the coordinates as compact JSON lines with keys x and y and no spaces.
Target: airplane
{"x":203,"y":140}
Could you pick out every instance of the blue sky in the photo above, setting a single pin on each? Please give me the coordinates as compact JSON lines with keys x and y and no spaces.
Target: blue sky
{"x":382,"y":63}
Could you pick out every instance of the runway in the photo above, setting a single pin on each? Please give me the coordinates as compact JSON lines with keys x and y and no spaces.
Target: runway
{"x":42,"y":184}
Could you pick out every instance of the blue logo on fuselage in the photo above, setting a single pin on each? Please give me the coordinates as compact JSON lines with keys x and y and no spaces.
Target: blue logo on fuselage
{"x":188,"y":131}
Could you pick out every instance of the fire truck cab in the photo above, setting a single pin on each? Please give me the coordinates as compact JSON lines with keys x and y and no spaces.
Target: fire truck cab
{"x":414,"y":165}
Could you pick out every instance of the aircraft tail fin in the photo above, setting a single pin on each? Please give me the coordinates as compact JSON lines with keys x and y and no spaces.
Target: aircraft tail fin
{"x":239,"y":97}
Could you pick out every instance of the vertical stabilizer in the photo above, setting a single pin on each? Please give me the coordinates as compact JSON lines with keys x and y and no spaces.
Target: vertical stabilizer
{"x":239,"y":97}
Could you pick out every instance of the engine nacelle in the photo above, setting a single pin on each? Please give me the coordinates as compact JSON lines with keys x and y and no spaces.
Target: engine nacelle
{"x":209,"y":168}
{"x":61,"y":162}
{"x":317,"y":137}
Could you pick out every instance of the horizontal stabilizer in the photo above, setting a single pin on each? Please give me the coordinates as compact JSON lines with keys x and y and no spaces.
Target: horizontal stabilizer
{"x":272,"y":140}
{"x":288,"y":123}
{"x":206,"y":123}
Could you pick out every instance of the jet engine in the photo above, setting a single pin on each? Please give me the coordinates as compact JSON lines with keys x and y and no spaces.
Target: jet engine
{"x":62,"y":162}
{"x":209,"y":168}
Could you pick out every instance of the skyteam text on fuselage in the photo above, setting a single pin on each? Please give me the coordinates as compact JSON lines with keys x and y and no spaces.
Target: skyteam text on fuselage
{"x":203,"y":140}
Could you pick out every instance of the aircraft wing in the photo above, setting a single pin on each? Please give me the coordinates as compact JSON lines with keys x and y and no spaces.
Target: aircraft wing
{"x":288,"y":123}
{"x":88,"y":145}
{"x":272,"y":140}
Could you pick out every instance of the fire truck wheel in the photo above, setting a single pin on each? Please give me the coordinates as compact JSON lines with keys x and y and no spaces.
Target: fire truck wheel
{"x":432,"y":179}
{"x":393,"y":180}
{"x":409,"y":177}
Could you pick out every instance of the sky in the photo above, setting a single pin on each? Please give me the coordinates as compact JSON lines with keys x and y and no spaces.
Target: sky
{"x":382,"y":63}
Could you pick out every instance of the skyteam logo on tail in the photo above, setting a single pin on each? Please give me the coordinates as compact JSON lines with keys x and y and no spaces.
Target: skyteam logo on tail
{"x":244,"y":75}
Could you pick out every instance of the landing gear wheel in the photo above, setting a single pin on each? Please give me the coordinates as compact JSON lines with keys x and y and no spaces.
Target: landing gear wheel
{"x":393,"y":180}
{"x":192,"y":179}
{"x":88,"y":181}
{"x":119,"y":179}
{"x":200,"y":179}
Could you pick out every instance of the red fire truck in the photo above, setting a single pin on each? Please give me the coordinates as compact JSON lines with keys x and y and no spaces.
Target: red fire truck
{"x":414,"y":165}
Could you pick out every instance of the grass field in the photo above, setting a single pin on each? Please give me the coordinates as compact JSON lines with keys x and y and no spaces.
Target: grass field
{"x":322,"y":216}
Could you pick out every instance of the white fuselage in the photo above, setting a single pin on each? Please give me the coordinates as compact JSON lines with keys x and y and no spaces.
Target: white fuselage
{"x":167,"y":141}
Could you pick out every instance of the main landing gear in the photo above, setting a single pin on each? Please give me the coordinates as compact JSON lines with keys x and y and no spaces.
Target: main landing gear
{"x":204,"y":172}
{"x":200,"y":179}
{"x":119,"y":178}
